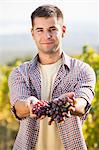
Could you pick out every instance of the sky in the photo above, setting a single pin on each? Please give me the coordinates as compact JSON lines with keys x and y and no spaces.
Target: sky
{"x":81,"y":18}
{"x":15,"y":14}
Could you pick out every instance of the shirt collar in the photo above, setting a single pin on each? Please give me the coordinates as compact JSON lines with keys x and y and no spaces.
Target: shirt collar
{"x":66,"y":60}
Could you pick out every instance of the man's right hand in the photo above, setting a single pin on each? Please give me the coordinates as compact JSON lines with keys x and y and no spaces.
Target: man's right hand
{"x":34,"y":104}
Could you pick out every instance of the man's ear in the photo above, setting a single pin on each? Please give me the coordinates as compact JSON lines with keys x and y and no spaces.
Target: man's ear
{"x":63,"y":30}
{"x":32,"y":32}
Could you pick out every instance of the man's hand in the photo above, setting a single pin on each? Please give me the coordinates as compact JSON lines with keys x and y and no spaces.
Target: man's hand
{"x":79,"y":107}
{"x":66,"y":103}
{"x":77,"y":104}
{"x":70,"y":99}
{"x":39,"y":108}
{"x":34,"y":106}
{"x":63,"y":103}
{"x":30,"y":102}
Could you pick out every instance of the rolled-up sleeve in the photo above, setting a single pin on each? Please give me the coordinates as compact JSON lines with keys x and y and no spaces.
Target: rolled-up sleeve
{"x":86,"y":83}
{"x":19,"y":90}
{"x":86,"y":80}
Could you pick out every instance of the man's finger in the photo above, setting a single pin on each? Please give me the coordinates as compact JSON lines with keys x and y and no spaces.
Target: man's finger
{"x":33,"y":116}
{"x":42,"y":117}
{"x":70,"y":94}
{"x":66,"y":115}
{"x":71,"y":109}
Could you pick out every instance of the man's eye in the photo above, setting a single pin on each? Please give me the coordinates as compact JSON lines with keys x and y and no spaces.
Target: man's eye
{"x":40,"y":30}
{"x":53,"y":29}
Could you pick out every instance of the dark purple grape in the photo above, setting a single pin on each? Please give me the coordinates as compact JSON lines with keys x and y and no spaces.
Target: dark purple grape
{"x":56,"y":109}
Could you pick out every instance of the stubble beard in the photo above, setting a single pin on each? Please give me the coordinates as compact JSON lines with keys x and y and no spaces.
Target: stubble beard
{"x":51,"y":50}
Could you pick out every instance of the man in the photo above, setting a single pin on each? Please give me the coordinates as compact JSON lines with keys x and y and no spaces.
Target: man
{"x":51,"y":74}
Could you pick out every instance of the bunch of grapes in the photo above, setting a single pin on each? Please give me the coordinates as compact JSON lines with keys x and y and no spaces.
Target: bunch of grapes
{"x":56,"y":109}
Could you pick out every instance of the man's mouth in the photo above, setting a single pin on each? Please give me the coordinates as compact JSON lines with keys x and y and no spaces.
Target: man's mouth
{"x":47,"y":42}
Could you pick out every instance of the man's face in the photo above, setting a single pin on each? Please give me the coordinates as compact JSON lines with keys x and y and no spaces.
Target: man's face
{"x":47,"y":33}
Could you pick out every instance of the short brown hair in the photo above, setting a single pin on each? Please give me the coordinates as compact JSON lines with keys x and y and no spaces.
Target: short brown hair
{"x":46,"y":11}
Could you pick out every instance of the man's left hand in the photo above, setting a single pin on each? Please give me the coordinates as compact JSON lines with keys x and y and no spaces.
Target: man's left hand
{"x":79,"y":107}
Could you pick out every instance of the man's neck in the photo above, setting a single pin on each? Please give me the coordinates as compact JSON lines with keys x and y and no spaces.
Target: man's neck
{"x":49,"y":58}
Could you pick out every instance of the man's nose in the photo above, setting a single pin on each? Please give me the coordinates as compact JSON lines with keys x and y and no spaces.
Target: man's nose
{"x":48,"y":35}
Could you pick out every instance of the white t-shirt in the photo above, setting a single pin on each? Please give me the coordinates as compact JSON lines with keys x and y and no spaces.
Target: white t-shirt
{"x":49,"y":138}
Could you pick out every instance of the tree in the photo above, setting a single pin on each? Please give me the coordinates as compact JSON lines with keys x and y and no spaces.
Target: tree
{"x":91,"y":125}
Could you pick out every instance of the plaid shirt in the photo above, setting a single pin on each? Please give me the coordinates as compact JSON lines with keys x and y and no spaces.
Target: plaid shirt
{"x":73,"y":75}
